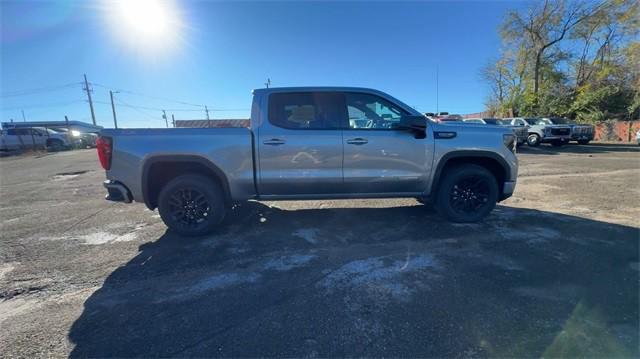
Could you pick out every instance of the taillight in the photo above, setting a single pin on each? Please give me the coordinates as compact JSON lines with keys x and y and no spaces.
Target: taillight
{"x":103,"y":145}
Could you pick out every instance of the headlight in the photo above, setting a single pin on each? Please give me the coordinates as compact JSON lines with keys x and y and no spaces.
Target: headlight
{"x":75,"y":133}
{"x":509,"y":141}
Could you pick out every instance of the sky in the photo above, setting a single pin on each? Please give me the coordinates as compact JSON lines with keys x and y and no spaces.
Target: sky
{"x":180,"y":56}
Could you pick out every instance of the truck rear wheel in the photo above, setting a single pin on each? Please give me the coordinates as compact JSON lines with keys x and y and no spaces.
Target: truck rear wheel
{"x":466,"y":193}
{"x":192,"y":205}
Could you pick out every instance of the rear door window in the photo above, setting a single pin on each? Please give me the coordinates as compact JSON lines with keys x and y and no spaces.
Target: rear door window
{"x":307,"y":110}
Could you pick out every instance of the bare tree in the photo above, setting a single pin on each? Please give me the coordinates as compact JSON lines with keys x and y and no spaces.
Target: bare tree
{"x":545,"y":26}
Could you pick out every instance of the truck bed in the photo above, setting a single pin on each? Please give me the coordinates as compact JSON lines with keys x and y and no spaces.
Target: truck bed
{"x":136,"y":150}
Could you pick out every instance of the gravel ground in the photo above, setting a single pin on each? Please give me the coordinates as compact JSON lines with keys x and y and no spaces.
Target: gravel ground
{"x":552,"y":272}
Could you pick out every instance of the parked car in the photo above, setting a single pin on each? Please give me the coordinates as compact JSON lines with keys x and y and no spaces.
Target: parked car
{"x":581,"y":133}
{"x":446,"y":117}
{"x":542,"y":130}
{"x":79,"y":138}
{"x":40,"y":137}
{"x":521,"y":132}
{"x":9,"y":142}
{"x":302,"y":144}
{"x":638,"y":137}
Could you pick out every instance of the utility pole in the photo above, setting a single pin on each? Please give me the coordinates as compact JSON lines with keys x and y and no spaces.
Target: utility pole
{"x":113,"y":109}
{"x":206,"y":109}
{"x":164,"y":115}
{"x":268,"y":83}
{"x":86,"y":88}
{"x":173,"y":120}
{"x":24,"y":119}
{"x":66,"y":121}
{"x":437,"y":93}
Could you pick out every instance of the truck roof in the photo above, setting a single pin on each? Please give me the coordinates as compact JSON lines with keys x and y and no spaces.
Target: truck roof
{"x":316,"y":88}
{"x":269,"y":90}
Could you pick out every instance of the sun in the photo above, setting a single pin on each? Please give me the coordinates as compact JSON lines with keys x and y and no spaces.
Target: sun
{"x":145,"y":25}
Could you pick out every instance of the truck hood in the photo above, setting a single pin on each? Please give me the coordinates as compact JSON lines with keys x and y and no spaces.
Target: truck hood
{"x":471,"y":127}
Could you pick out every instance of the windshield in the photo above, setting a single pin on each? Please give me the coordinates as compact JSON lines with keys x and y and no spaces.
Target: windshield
{"x":538,"y":121}
{"x":560,"y":121}
{"x":492,"y":121}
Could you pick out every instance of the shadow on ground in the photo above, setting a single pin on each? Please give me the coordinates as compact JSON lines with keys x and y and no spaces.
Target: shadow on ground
{"x":373,"y":282}
{"x":592,"y":148}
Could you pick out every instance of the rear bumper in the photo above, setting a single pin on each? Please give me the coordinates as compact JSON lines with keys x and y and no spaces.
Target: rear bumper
{"x":117,"y":192}
{"x":507,"y":189}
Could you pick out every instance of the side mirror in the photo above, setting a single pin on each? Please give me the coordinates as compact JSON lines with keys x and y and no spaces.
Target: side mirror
{"x":417,"y":124}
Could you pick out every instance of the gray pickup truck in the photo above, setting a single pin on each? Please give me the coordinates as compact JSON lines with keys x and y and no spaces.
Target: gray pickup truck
{"x":581,"y":133}
{"x":542,"y":130}
{"x":310,"y":143}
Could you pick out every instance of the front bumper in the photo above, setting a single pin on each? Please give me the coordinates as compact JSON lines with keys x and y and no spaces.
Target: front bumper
{"x":117,"y":192}
{"x":507,"y":190}
{"x":550,"y":138}
{"x":576,"y":137}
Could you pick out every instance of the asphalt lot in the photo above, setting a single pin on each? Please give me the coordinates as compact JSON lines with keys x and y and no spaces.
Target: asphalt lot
{"x":552,"y":272}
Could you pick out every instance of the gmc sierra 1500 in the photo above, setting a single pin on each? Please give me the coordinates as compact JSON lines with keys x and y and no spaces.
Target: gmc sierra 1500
{"x":310,"y":143}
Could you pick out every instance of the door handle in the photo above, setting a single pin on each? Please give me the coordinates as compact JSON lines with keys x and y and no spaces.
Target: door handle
{"x":357,"y":141}
{"x":274,"y":142}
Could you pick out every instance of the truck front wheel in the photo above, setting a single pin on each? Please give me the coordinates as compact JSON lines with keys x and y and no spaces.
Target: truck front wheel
{"x":533,"y":140}
{"x":191,"y":205}
{"x":466,"y":193}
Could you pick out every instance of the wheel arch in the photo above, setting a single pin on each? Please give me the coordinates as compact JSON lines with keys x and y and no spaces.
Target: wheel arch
{"x":493,"y":162}
{"x":157,"y":171}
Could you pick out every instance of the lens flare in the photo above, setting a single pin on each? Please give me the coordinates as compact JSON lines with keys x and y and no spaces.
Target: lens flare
{"x":145,"y":25}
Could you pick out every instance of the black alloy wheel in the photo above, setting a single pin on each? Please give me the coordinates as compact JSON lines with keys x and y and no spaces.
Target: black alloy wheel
{"x":466,"y":193}
{"x":469,"y":194}
{"x":189,"y":207}
{"x":192,"y":205}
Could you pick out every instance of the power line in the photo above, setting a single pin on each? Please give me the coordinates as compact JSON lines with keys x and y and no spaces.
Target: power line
{"x":39,"y":90}
{"x":151,"y":108}
{"x":122,"y":103}
{"x":55,"y":104}
{"x":148,"y":96}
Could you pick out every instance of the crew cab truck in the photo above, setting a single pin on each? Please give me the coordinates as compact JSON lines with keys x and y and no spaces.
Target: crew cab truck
{"x":310,"y":143}
{"x":542,"y":130}
{"x":583,"y":134}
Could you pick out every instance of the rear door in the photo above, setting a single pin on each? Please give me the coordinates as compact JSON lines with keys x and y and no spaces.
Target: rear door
{"x":300,"y":144}
{"x":379,"y":159}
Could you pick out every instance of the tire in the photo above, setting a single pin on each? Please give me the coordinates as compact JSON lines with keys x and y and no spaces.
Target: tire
{"x":533,"y":140}
{"x":583,"y":142}
{"x":192,"y":205}
{"x":456,"y":205}
{"x":55,"y":145}
{"x":557,"y":143}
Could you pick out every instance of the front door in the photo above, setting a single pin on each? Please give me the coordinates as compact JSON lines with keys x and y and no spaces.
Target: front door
{"x":300,"y":145}
{"x":379,"y":159}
